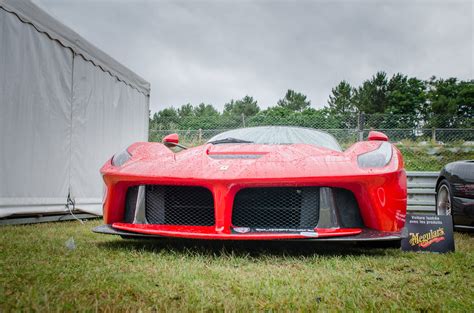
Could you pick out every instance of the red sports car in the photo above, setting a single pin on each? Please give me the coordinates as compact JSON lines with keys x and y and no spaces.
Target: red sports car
{"x":259,"y":183}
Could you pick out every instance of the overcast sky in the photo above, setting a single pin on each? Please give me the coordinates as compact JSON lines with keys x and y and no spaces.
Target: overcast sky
{"x":214,"y":51}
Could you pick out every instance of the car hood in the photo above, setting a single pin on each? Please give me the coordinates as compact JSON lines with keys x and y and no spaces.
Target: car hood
{"x":244,"y":161}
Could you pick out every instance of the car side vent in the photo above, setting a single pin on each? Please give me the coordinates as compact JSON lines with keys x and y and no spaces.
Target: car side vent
{"x":130,"y":204}
{"x":348,"y":208}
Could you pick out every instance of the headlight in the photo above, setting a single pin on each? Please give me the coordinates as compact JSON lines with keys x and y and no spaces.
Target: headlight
{"x":119,"y":159}
{"x":377,"y":158}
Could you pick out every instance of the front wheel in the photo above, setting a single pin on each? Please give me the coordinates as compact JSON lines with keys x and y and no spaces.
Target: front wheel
{"x":443,"y":198}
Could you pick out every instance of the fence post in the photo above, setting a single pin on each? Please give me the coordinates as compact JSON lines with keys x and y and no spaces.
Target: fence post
{"x":360,"y":124}
{"x":243,"y":119}
{"x":433,"y":134}
{"x":200,"y":135}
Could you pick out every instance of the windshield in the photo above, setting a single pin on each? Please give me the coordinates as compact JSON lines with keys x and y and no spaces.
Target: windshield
{"x":277,"y":135}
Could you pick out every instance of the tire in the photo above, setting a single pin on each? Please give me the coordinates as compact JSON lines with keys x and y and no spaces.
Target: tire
{"x":444,"y":198}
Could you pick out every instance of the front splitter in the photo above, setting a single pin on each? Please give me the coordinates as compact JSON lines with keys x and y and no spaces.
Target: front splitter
{"x":364,"y":235}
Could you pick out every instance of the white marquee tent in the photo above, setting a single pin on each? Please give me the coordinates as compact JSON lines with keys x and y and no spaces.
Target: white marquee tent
{"x":65,"y":108}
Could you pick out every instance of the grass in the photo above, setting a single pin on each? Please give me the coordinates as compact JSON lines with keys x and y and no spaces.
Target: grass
{"x":433,"y":157}
{"x":108,"y":273}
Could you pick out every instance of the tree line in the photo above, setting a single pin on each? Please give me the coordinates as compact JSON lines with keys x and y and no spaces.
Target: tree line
{"x":398,"y":101}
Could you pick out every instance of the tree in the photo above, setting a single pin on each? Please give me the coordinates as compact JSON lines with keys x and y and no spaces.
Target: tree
{"x":164,"y":119}
{"x":465,"y":101}
{"x":276,"y":112}
{"x":406,"y":101}
{"x":443,"y":95}
{"x":340,"y":100}
{"x":371,"y":97}
{"x":186,"y":110}
{"x":168,"y":113}
{"x":405,"y":95}
{"x":294,"y":101}
{"x":451,"y":102}
{"x":205,"y":110}
{"x":247,"y":106}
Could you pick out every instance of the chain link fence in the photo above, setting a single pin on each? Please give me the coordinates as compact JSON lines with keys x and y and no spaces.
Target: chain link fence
{"x":426,"y":144}
{"x":347,"y":128}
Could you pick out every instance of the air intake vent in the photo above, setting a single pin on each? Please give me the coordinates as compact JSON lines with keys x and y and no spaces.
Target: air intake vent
{"x":276,"y":208}
{"x":130,"y":204}
{"x":179,"y":205}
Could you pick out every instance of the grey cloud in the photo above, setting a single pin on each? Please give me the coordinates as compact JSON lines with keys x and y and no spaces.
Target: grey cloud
{"x":213,"y":51}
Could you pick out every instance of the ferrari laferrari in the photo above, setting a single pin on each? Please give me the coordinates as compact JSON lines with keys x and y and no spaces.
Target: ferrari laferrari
{"x":258,"y":183}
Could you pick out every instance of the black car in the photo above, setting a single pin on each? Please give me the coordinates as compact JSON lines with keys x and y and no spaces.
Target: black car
{"x":455,"y":193}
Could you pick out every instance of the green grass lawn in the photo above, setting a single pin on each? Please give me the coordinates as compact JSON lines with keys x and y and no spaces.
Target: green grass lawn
{"x":432,"y":158}
{"x":108,"y":273}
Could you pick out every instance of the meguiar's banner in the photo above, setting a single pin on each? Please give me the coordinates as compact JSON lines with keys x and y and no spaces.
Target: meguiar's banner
{"x":430,"y":233}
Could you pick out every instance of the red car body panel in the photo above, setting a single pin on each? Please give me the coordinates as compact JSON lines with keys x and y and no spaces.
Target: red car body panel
{"x":380,"y":192}
{"x":210,"y":232}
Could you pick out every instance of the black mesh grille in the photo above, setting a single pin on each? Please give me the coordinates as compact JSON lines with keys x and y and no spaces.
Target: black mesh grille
{"x":179,"y":205}
{"x":276,"y":207}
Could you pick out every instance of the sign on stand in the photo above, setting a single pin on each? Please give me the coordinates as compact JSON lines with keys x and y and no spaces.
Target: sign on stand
{"x":429,"y":233}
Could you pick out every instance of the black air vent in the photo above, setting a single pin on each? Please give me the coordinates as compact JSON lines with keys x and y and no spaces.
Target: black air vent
{"x":130,"y":204}
{"x":179,"y":205}
{"x":276,"y":208}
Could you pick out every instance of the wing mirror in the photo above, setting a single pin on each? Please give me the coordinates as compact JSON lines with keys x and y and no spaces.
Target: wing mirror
{"x":172,"y":140}
{"x":375,"y":135}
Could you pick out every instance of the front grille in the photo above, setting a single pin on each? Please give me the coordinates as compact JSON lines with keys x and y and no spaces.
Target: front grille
{"x":276,"y":208}
{"x":179,"y":205}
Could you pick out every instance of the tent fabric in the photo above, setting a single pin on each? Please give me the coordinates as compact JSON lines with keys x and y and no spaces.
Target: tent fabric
{"x":35,"y":86}
{"x":61,"y":118}
{"x":102,"y":121}
{"x":28,"y":12}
